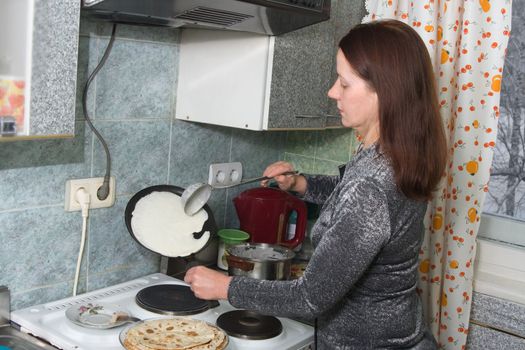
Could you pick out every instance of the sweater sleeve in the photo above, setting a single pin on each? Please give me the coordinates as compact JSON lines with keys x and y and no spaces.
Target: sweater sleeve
{"x":319,"y":187}
{"x":357,"y":230}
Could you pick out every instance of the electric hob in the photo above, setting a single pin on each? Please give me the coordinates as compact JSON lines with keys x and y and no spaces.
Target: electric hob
{"x":49,"y":322}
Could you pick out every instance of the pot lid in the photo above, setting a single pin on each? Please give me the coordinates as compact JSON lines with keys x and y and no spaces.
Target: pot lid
{"x":155,"y":218}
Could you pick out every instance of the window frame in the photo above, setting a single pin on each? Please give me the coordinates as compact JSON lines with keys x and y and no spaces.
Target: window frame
{"x":502,"y":228}
{"x":499,"y":268}
{"x":495,"y":226}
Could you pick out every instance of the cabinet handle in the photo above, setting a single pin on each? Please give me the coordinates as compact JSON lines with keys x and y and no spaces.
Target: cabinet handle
{"x":332,"y":116}
{"x":307,"y":116}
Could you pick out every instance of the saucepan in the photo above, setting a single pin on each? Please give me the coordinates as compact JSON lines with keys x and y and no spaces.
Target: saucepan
{"x":260,"y":261}
{"x":155,"y":218}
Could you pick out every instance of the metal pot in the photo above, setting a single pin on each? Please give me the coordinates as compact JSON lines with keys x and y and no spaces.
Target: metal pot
{"x":260,"y":261}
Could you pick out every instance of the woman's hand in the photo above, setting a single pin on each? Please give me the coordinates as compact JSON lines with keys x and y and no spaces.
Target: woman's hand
{"x":295,"y":183}
{"x":207,"y":284}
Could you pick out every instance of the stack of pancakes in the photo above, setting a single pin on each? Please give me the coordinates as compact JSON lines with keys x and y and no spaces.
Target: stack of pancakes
{"x":175,"y":334}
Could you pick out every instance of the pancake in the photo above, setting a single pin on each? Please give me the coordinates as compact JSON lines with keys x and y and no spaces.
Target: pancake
{"x":175,"y":334}
{"x":160,"y":224}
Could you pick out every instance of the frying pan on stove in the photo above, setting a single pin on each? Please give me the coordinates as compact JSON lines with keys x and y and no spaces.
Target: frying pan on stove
{"x":209,"y":224}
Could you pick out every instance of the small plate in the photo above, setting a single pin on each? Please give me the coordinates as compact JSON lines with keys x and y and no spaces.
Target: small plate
{"x":99,"y":316}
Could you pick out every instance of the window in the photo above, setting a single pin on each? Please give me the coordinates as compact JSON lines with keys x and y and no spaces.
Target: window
{"x":499,"y":269}
{"x":504,"y":209}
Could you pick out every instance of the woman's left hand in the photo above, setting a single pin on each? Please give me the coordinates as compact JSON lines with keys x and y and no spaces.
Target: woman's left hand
{"x":207,"y":284}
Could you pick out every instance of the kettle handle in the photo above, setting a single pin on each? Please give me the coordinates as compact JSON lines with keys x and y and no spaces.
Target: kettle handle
{"x":300,"y":229}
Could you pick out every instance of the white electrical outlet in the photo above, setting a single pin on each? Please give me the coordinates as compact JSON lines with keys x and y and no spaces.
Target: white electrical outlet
{"x":225,"y":174}
{"x":91,"y":185}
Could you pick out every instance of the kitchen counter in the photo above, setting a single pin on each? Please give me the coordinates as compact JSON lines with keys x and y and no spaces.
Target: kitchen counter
{"x":13,"y":338}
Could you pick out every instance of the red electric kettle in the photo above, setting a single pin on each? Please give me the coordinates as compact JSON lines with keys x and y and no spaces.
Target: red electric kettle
{"x":265,"y":214}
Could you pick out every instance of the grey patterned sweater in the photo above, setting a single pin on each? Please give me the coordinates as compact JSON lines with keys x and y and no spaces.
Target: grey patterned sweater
{"x":360,"y":282}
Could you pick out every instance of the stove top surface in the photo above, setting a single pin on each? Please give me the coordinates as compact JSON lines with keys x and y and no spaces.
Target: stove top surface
{"x":249,"y":324}
{"x":171,"y":299}
{"x":48,"y":321}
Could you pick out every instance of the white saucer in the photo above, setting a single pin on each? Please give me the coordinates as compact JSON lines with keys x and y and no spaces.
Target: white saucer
{"x":98,"y":315}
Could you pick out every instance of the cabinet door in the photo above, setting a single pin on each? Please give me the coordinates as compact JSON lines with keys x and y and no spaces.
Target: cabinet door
{"x":223,"y":77}
{"x":16,"y":23}
{"x":302,"y":66}
{"x":51,"y":67}
{"x":54,"y":67}
{"x":345,"y":15}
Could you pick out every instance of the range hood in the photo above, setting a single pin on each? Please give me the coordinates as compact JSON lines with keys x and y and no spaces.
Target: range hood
{"x":271,"y":17}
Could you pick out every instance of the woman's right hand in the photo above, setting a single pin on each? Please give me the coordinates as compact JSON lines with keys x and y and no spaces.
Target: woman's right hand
{"x":286,"y":182}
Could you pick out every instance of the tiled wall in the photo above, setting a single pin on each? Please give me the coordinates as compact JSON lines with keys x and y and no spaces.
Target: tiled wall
{"x":131,"y":102}
{"x":319,"y":152}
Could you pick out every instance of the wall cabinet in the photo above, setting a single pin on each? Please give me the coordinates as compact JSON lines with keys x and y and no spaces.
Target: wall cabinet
{"x":38,"y":67}
{"x":347,"y":15}
{"x":259,"y":82}
{"x":301,"y":76}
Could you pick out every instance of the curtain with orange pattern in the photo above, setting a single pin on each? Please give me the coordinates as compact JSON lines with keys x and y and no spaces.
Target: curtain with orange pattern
{"x":467,"y":41}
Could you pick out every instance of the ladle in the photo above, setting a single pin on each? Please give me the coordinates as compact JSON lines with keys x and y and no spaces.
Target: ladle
{"x":196,"y":196}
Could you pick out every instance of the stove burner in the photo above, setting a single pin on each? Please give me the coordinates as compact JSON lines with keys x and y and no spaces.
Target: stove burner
{"x":249,"y":325}
{"x":171,"y":299}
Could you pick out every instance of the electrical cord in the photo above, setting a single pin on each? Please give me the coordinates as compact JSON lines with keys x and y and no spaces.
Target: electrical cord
{"x":103,"y":191}
{"x":83,"y":197}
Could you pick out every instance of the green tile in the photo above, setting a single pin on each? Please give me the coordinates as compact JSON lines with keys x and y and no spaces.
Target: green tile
{"x":256,"y":150}
{"x":301,"y":142}
{"x":39,"y":247}
{"x":301,"y":163}
{"x":194,"y":147}
{"x":111,"y":246}
{"x":138,"y":80}
{"x":327,"y":167}
{"x":139,"y":153}
{"x":335,"y":144}
{"x":44,"y":294}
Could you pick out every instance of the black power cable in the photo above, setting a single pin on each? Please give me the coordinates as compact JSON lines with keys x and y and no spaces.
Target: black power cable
{"x":103,"y":191}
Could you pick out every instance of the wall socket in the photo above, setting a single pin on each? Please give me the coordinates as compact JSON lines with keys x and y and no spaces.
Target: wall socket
{"x":225,"y":174}
{"x":91,"y":185}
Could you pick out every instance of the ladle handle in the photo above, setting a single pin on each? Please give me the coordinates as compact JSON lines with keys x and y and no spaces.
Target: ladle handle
{"x":295,"y":172}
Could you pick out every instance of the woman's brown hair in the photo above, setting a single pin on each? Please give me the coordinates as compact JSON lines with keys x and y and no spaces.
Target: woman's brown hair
{"x":391,"y":57}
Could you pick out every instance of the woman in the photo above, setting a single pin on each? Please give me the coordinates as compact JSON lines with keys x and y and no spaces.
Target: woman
{"x":360,"y":283}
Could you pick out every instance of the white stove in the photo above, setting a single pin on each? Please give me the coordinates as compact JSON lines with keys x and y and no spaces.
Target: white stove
{"x":48,"y":321}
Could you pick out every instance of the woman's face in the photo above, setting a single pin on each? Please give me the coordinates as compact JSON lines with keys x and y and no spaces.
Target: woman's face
{"x":356,"y":101}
